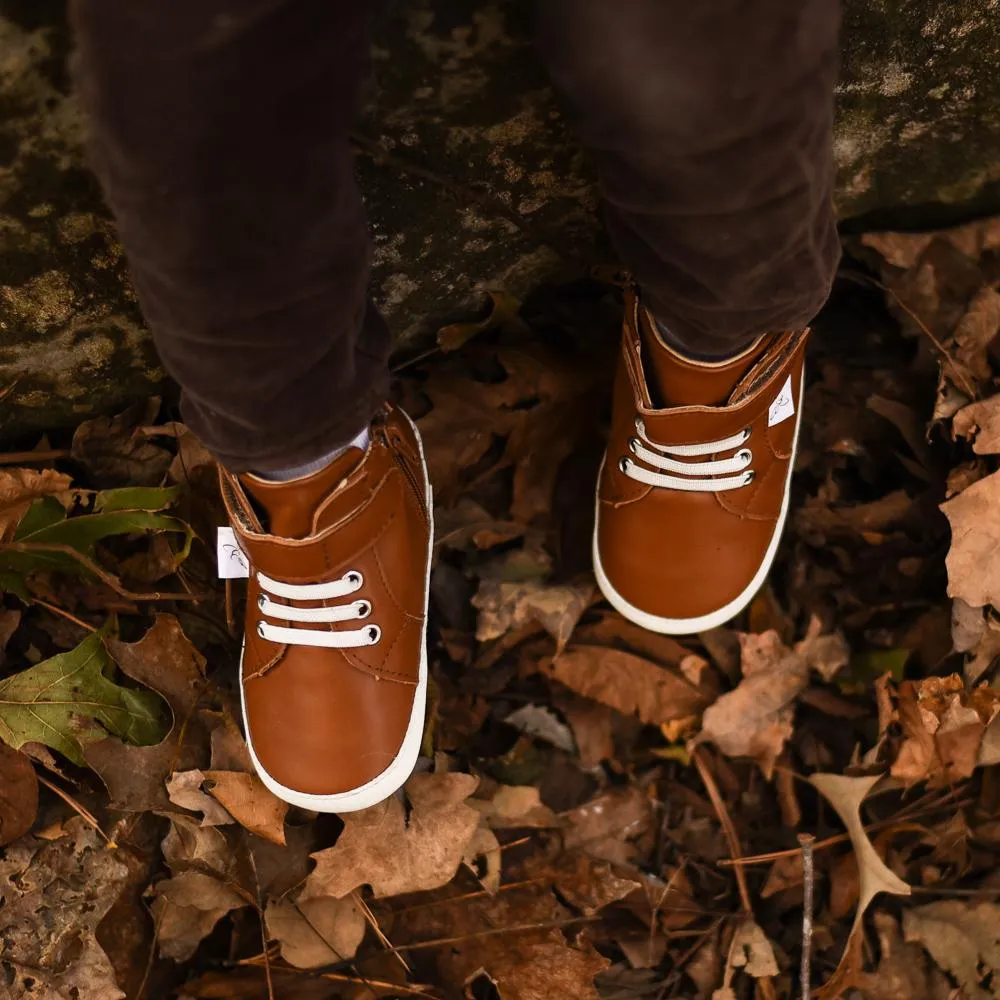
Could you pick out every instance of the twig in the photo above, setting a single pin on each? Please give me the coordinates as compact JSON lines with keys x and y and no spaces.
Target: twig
{"x":80,"y":810}
{"x":102,"y":574}
{"x":808,"y":880}
{"x":61,"y":611}
{"x":263,"y":927}
{"x":152,"y":954}
{"x":373,"y":923}
{"x":727,"y":826}
{"x":30,"y":457}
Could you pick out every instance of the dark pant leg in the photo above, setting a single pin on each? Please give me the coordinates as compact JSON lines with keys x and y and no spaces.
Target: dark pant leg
{"x":711,"y":123}
{"x":219,"y":131}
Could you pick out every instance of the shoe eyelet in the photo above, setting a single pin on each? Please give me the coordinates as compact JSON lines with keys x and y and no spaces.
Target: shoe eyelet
{"x":623,"y":464}
{"x":633,"y":444}
{"x":749,"y":476}
{"x":364,"y":608}
{"x":640,"y":427}
{"x":260,"y":630}
{"x":374,"y":634}
{"x":355,"y":578}
{"x":747,"y":431}
{"x":745,"y":455}
{"x":261,"y":602}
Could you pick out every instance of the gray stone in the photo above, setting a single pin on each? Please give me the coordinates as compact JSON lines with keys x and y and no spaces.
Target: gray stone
{"x":472,"y":178}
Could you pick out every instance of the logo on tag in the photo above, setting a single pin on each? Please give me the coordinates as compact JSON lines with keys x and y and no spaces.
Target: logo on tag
{"x":233,"y":564}
{"x":783,"y":406}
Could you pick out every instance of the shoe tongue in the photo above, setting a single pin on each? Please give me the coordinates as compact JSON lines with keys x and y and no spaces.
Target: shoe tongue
{"x":676,"y":380}
{"x":291,"y":506}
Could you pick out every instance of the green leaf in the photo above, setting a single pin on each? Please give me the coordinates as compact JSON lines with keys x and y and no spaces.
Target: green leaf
{"x":41,"y":514}
{"x":136,"y":498}
{"x":69,"y":701}
{"x":868,"y":667}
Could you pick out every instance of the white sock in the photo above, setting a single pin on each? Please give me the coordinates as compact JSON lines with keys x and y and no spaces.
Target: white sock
{"x":307,"y":468}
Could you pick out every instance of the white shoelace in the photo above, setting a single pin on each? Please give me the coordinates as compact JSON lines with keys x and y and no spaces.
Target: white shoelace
{"x":697,"y":477}
{"x":350,"y":583}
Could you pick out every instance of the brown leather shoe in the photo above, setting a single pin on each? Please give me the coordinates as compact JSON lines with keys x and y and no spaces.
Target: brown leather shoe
{"x":693,"y":493}
{"x":334,"y":671}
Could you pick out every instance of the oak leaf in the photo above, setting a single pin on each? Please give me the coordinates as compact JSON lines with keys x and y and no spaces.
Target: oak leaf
{"x":973,"y":561}
{"x":314,"y":932}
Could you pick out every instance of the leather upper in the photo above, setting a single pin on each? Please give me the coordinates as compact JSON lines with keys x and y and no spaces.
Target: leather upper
{"x":677,"y":554}
{"x":327,"y":720}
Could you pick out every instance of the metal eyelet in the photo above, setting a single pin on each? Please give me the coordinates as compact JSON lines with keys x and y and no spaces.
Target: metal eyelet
{"x":261,"y":601}
{"x":374,"y":634}
{"x":747,"y":431}
{"x":640,"y":427}
{"x":745,"y":455}
{"x":364,"y":608}
{"x":623,"y":464}
{"x":260,"y":630}
{"x":749,"y":476}
{"x":354,"y":577}
{"x":633,"y":444}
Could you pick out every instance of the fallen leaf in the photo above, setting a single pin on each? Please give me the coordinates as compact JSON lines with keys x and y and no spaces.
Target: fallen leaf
{"x":628,"y":683}
{"x":973,"y":560}
{"x":314,"y":932}
{"x":184,"y":790}
{"x":188,"y":844}
{"x":589,"y":885}
{"x":515,"y":806}
{"x":846,"y":794}
{"x":115,"y":451}
{"x":9,"y":620}
{"x":593,"y":725}
{"x":380,"y":847}
{"x":503,"y":308}
{"x":504,"y":606}
{"x":186,"y":907}
{"x":545,"y":970}
{"x":751,"y":951}
{"x":755,"y":719}
{"x":539,"y":721}
{"x":974,"y":332}
{"x":963,"y":938}
{"x":165,"y":660}
{"x":605,"y":826}
{"x":52,"y":897}
{"x":249,"y":802}
{"x":904,"y":971}
{"x":967,"y":626}
{"x":68,"y":701}
{"x":980,"y":421}
{"x":20,"y":488}
{"x":18,"y":794}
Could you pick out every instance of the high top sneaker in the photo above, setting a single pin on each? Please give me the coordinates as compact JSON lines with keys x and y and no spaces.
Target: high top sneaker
{"x":693,"y":493}
{"x":334,"y":669}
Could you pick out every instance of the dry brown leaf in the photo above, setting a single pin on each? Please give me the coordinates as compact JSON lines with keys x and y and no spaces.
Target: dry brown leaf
{"x":248,"y":801}
{"x":967,"y":626}
{"x":381,"y":848}
{"x":963,"y":938}
{"x":755,"y":720}
{"x":503,"y":308}
{"x":751,"y":951}
{"x":904,"y":971}
{"x":593,"y":725}
{"x":589,"y":885}
{"x":981,"y":421}
{"x":628,"y":683}
{"x":826,"y":653}
{"x":9,"y":620}
{"x":18,"y":794}
{"x":507,"y":605}
{"x":544,"y":970}
{"x":975,"y":330}
{"x":314,"y":932}
{"x":188,"y":844}
{"x":20,"y":488}
{"x":540,"y":722}
{"x":846,"y":794}
{"x":184,"y":790}
{"x":187,"y":906}
{"x":52,"y":897}
{"x":973,"y":560}
{"x":604,"y":826}
{"x":165,"y":660}
{"x":513,"y":806}
{"x":116,"y":452}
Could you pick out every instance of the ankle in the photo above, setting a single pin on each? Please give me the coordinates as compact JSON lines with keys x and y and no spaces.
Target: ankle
{"x":288,"y":473}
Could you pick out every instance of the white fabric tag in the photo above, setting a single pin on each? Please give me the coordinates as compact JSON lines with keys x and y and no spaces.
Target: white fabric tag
{"x":783,"y":406}
{"x":232,"y":559}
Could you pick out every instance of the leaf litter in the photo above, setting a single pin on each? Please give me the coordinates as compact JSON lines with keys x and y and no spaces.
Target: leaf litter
{"x":557,"y":839}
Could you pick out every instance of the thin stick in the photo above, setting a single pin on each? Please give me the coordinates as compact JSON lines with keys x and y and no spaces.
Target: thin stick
{"x":373,"y":923}
{"x":60,"y":611}
{"x":418,"y":990}
{"x":727,"y":826}
{"x":516,"y":928}
{"x":152,"y":954}
{"x":263,"y":927}
{"x":30,"y":457}
{"x":80,"y":810}
{"x":808,"y":881}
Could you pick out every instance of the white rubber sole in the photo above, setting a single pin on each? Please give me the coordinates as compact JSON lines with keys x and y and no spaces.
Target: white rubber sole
{"x":702,"y":623}
{"x":399,"y":770}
